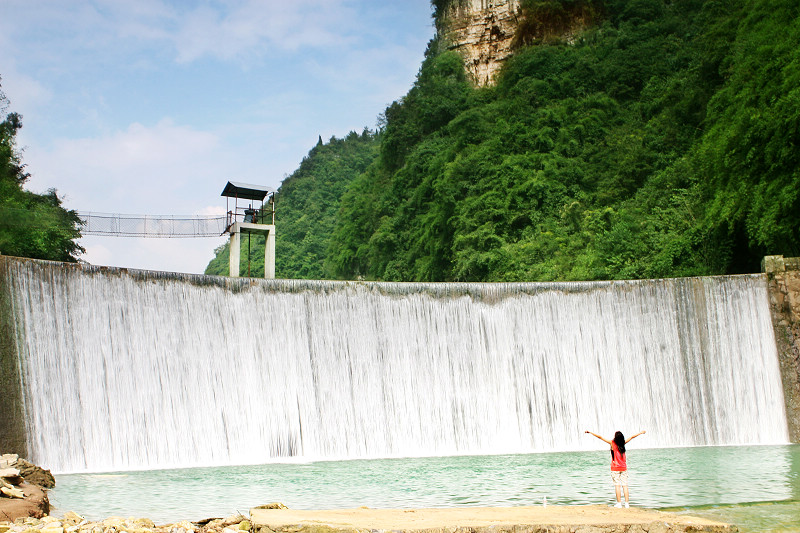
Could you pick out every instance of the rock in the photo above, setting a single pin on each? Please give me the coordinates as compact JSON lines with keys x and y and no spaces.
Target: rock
{"x":271,"y":506}
{"x":232,"y":520}
{"x":9,"y":472}
{"x":12,"y":492}
{"x":73,"y":517}
{"x":35,"y":474}
{"x":8,"y":459}
{"x":244,"y":525}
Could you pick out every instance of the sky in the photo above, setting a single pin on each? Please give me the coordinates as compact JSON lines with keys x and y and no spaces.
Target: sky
{"x":149,"y":107}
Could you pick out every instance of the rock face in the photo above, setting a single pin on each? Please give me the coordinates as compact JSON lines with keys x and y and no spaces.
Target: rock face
{"x":783,"y":278}
{"x":482,"y":31}
{"x":35,"y":474}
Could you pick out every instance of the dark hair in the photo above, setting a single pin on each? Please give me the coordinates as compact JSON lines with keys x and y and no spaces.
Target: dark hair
{"x":619,"y":440}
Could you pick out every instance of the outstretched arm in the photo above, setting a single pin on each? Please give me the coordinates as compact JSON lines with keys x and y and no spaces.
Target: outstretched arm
{"x":599,"y":437}
{"x":630,"y":439}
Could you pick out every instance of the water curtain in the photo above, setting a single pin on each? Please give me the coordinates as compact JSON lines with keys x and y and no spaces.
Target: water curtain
{"x":129,"y":369}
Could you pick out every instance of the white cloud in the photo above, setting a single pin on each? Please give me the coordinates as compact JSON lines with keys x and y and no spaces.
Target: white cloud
{"x":140,"y":168}
{"x":257,"y":27}
{"x":24,"y":93}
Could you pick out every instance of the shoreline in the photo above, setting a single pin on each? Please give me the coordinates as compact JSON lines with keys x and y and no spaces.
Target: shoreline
{"x":276,"y":518}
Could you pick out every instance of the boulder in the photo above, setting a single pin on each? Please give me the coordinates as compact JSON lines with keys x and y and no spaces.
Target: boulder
{"x":12,"y":492}
{"x":8,"y":459}
{"x":35,"y":474}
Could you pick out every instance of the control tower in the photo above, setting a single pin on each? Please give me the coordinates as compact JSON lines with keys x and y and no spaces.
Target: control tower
{"x":246,"y":219}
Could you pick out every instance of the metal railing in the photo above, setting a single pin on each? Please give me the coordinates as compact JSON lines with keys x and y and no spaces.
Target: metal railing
{"x":164,"y":226}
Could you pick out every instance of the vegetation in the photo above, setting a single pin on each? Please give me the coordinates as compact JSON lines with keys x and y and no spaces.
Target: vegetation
{"x":31,"y":225}
{"x":660,"y":141}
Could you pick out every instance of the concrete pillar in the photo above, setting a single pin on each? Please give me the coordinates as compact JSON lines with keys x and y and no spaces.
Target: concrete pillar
{"x":783,"y":284}
{"x":235,"y":252}
{"x":12,"y":413}
{"x":268,"y":230}
{"x":269,"y":254}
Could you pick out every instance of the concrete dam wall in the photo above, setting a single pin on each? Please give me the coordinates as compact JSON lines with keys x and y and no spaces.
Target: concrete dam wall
{"x":117,"y":369}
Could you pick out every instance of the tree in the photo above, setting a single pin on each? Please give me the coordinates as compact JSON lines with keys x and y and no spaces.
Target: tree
{"x":31,"y":225}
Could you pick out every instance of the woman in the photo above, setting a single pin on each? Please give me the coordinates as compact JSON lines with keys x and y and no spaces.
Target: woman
{"x":619,"y":467}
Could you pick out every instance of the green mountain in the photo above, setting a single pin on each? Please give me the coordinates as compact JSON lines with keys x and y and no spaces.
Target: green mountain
{"x":662,"y":140}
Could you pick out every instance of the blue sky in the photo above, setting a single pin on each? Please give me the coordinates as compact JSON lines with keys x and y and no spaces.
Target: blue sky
{"x":150,"y":106}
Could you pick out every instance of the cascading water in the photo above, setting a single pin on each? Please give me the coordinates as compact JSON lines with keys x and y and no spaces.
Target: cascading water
{"x":132,"y":369}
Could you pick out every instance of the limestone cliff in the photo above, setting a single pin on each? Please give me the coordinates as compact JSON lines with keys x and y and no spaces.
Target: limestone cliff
{"x":486,"y":32}
{"x":482,"y":31}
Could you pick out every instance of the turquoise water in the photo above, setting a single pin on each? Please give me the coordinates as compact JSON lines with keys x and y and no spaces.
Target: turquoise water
{"x":755,"y":487}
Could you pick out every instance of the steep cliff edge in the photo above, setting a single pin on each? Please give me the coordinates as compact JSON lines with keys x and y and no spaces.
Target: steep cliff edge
{"x":486,"y":32}
{"x":482,"y":31}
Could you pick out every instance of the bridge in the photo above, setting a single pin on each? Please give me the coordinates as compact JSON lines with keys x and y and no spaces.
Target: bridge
{"x":164,"y":226}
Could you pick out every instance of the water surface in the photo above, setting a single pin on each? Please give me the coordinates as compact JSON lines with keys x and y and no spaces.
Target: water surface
{"x":757,"y":485}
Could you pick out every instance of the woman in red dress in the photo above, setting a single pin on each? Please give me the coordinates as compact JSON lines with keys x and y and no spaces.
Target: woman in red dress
{"x":619,"y":467}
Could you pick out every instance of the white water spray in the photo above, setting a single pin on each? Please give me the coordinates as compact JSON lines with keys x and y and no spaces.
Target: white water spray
{"x":131,"y":369}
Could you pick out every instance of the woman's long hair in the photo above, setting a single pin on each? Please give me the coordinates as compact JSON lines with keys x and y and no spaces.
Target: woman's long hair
{"x":619,"y":440}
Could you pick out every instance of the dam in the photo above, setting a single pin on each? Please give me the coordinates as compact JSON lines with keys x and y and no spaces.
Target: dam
{"x":117,"y":369}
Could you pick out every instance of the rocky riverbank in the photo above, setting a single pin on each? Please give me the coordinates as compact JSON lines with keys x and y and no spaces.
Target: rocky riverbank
{"x":23,"y":488}
{"x":74,"y":523}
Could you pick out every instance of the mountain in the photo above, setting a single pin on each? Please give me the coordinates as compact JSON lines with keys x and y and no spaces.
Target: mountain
{"x":615,"y":139}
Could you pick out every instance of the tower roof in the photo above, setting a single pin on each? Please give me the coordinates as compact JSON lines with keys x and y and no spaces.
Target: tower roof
{"x":246,"y":191}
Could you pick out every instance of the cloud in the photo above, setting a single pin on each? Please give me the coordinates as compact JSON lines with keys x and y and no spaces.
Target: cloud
{"x":240,"y":30}
{"x":24,"y":93}
{"x":147,"y":170}
{"x":256,"y":27}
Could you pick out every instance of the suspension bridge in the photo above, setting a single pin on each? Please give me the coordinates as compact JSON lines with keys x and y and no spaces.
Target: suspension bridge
{"x":163,"y":226}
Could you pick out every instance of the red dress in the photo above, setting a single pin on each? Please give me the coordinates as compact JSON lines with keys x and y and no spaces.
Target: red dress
{"x":618,"y":463}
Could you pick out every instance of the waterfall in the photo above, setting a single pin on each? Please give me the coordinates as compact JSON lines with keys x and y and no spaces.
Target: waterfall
{"x":129,"y":369}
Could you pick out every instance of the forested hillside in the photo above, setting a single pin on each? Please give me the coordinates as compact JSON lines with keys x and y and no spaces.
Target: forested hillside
{"x":31,"y":225}
{"x":661,"y":141}
{"x":306,"y":207}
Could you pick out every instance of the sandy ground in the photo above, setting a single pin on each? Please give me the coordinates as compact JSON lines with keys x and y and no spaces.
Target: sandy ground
{"x":35,"y":503}
{"x":416,"y":519}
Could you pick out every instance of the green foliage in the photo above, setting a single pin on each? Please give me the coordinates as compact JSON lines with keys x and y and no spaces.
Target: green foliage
{"x":31,"y":225}
{"x":661,"y":141}
{"x":749,"y":160}
{"x":547,"y":20}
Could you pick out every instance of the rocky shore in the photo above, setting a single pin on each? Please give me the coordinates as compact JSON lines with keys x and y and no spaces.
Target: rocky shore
{"x":73,"y":523}
{"x":23,"y":489}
